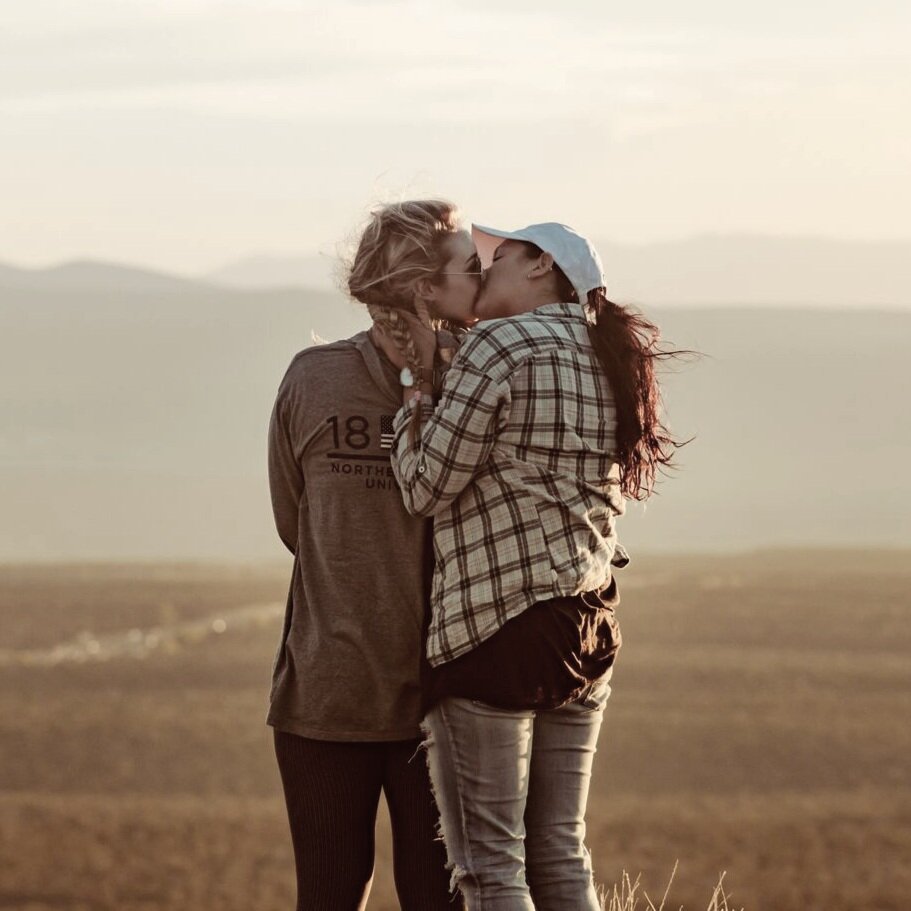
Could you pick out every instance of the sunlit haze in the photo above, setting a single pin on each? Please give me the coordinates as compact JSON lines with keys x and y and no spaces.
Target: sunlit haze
{"x":183,"y":135}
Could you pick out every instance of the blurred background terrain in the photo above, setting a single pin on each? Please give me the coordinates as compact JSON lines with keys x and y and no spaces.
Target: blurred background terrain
{"x":135,"y":408}
{"x":755,"y":726}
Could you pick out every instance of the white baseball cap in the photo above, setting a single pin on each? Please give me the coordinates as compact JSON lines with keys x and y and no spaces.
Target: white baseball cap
{"x":572,"y":252}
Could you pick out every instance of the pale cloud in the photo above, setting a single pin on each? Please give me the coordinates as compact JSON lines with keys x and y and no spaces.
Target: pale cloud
{"x":338,"y":63}
{"x":190,"y":131}
{"x":381,"y":60}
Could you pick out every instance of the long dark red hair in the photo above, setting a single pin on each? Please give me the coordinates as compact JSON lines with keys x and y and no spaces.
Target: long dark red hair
{"x":628,"y":347}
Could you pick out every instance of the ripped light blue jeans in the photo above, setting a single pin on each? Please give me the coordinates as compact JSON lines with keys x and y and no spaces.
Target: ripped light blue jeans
{"x":511,"y":787}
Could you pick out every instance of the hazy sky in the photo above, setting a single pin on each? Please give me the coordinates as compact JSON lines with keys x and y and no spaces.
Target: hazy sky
{"x":185,"y":133}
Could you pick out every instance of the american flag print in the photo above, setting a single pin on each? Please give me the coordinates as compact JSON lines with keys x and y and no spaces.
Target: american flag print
{"x":386,"y":431}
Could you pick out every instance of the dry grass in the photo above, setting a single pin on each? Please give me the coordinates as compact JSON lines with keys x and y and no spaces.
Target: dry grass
{"x":754,"y":728}
{"x":626,"y":896}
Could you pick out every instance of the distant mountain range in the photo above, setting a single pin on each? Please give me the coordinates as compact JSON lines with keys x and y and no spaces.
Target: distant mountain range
{"x":87,"y":275}
{"x":134,"y":409}
{"x":703,"y":271}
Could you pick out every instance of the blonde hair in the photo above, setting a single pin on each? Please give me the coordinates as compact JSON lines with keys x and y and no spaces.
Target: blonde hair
{"x":402,"y":243}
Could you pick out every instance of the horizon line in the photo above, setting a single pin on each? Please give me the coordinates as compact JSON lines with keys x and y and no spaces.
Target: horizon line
{"x":316,"y":253}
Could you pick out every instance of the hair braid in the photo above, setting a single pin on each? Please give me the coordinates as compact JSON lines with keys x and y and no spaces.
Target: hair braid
{"x":395,"y":326}
{"x":420,"y":308}
{"x":392,"y":322}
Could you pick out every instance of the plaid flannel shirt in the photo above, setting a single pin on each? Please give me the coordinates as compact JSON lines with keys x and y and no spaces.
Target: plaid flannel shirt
{"x":516,"y":463}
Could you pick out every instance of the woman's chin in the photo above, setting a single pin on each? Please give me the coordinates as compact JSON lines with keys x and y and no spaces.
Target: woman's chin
{"x":482,"y":310}
{"x":464,"y":322}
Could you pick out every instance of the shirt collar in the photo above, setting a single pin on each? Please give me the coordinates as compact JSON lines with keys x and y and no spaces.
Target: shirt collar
{"x":381,"y":369}
{"x":562,"y":309}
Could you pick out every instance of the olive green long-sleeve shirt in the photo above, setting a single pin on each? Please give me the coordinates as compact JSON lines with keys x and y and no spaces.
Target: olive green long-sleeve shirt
{"x":349,"y":658}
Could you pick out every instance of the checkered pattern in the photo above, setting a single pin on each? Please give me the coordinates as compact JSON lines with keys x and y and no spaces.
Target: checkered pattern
{"x":516,"y":464}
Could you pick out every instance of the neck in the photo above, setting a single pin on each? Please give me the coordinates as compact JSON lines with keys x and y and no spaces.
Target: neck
{"x":538,"y":297}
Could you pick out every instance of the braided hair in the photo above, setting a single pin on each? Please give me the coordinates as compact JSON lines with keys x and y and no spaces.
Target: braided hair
{"x":390,"y":320}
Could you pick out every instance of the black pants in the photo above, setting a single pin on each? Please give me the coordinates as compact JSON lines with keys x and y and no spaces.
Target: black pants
{"x":332,"y":791}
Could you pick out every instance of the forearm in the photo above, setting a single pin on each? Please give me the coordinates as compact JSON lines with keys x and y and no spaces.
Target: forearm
{"x":286,"y":483}
{"x":408,"y":463}
{"x":438,"y":450}
{"x":286,"y":523}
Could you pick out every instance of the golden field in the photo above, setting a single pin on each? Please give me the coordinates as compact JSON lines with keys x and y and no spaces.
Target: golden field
{"x":758,"y":725}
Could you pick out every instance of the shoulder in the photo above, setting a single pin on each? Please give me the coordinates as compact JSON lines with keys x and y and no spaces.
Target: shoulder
{"x":498,"y":346}
{"x":314,"y":372}
{"x":315,"y":360}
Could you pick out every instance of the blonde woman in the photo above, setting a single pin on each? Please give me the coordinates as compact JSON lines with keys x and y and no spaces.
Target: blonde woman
{"x":346,"y":697}
{"x":549,"y":417}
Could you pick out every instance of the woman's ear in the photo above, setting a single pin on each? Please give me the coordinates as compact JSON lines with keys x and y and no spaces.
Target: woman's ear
{"x":425,"y":289}
{"x":542,"y":265}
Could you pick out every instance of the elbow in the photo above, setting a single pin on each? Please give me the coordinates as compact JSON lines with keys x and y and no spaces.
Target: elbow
{"x":288,"y":535}
{"x":415,"y":497}
{"x":420,"y":496}
{"x":426,"y":505}
{"x":417,"y":506}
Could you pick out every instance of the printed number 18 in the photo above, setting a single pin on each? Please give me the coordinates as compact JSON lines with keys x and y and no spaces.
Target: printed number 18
{"x":356,"y":436}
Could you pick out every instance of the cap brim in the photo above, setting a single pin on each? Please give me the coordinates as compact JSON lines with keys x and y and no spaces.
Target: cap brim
{"x":486,"y":240}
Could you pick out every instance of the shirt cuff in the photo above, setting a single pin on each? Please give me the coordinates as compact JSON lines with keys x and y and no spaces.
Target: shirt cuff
{"x":405,"y":414}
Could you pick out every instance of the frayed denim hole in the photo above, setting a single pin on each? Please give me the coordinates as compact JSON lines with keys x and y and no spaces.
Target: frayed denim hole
{"x":459,"y":872}
{"x":424,"y":746}
{"x":426,"y":742}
